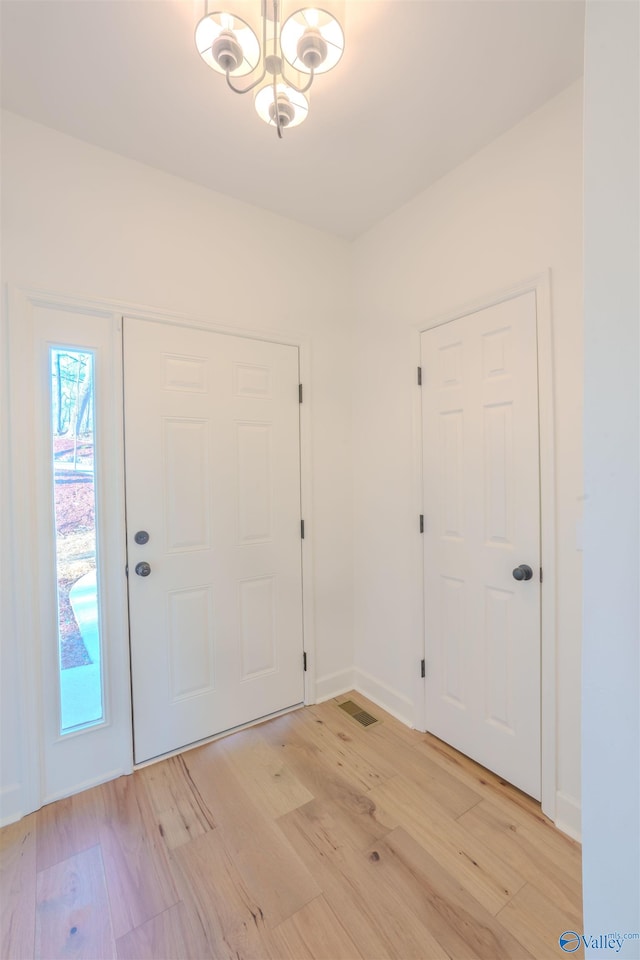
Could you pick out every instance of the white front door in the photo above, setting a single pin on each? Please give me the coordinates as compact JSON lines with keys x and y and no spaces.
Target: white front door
{"x":213,"y":481}
{"x":481,"y":523}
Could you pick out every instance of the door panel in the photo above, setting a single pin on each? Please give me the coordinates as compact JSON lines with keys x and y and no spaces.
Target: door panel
{"x":213,"y":475}
{"x":482,"y":519}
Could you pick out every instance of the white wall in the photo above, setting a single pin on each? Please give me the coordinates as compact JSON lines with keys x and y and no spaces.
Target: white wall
{"x":84,"y":222}
{"x":510,"y":212}
{"x":611,"y":665}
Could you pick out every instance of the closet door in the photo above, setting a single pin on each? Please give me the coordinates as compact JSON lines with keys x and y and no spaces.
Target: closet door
{"x":482,"y":537}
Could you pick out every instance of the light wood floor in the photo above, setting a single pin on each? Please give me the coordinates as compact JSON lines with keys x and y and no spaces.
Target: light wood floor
{"x":305,"y":837}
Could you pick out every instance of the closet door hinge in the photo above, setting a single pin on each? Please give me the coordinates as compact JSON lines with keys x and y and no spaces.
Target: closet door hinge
{"x":299,"y":393}
{"x":304,"y":661}
{"x":422,"y":523}
{"x":419,"y":376}
{"x":423,"y":668}
{"x":302,"y":529}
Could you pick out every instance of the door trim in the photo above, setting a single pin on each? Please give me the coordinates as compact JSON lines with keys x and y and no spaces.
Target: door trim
{"x":19,"y":578}
{"x":540,"y":284}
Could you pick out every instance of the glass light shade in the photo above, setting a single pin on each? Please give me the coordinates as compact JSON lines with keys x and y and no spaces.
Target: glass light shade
{"x":264,"y":100}
{"x":211,"y":26}
{"x":312,"y":19}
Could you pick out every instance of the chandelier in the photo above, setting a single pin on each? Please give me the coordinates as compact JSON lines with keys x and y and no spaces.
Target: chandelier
{"x":281,"y":69}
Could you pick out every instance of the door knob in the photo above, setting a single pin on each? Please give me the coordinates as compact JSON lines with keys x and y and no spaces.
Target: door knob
{"x":523,"y":572}
{"x":141,"y":537}
{"x":143,"y":569}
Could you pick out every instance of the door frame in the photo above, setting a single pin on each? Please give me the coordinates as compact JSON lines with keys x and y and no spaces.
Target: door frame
{"x":21,"y":578}
{"x":540,"y":285}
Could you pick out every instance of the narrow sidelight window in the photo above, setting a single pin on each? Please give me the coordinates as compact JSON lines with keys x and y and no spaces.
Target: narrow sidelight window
{"x":74,"y":486}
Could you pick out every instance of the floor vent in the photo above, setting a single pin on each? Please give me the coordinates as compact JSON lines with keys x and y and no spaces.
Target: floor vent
{"x":356,"y":711}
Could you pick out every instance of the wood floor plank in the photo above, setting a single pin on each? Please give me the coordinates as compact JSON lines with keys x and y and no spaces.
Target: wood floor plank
{"x":524,"y":811}
{"x":262,"y":773}
{"x":527,"y":851}
{"x":336,"y":756}
{"x":504,"y":796}
{"x":270,"y":867}
{"x":233,"y":921}
{"x":66,"y":828}
{"x":18,"y":889}
{"x":371,"y":908}
{"x":565,"y":852}
{"x":325,"y":781}
{"x":462,"y":927}
{"x":331,"y":726}
{"x":471,"y":861}
{"x":330,"y":820}
{"x":382,"y":747}
{"x":172,"y":935}
{"x":314,"y":933}
{"x":537,"y":922}
{"x":181,"y":812}
{"x":72,"y":916}
{"x":139,"y":880}
{"x":483,"y":781}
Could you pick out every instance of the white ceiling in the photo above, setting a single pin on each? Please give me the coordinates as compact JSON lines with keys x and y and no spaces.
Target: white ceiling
{"x":422,"y":85}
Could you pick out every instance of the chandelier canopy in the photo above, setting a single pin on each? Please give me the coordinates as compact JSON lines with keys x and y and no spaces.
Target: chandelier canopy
{"x":281,"y":68}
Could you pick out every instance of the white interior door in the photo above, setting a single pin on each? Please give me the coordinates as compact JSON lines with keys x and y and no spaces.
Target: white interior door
{"x":482,"y":521}
{"x":213,"y":478}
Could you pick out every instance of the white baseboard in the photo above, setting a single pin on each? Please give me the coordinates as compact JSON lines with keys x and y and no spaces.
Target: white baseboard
{"x":568,"y":816}
{"x":11,"y":808}
{"x":386,"y":697}
{"x":333,"y":685}
{"x":87,"y":785}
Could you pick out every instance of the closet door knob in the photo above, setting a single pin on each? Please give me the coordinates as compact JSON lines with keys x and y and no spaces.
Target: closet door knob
{"x":523,"y":572}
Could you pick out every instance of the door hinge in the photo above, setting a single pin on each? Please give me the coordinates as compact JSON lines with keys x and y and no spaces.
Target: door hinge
{"x":299,"y":393}
{"x":423,"y":668}
{"x":302,"y":529}
{"x":540,"y":574}
{"x":126,"y":569}
{"x":419,"y":376}
{"x":304,"y":661}
{"x":422,"y":523}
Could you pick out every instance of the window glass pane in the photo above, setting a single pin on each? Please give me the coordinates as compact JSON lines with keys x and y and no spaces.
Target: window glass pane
{"x":73,"y":421}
